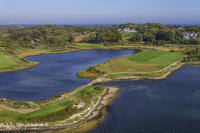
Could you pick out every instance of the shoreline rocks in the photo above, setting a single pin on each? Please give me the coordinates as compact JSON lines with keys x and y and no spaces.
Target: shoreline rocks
{"x":93,"y":114}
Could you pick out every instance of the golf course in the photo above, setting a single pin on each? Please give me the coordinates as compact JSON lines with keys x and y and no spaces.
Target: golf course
{"x":146,"y":61}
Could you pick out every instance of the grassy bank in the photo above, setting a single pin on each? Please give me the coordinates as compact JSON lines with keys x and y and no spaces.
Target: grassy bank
{"x":92,"y":46}
{"x":167,"y":47}
{"x":145,"y":61}
{"x":79,"y":112}
{"x":7,"y":61}
{"x":10,"y":62}
{"x":59,"y":110}
{"x":21,"y":53}
{"x":14,"y":62}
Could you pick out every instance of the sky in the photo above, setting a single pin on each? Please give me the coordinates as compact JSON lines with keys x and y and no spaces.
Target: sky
{"x":99,"y":11}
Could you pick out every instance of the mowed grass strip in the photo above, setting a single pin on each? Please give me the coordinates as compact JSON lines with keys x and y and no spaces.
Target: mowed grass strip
{"x":8,"y":116}
{"x":92,"y":46}
{"x":85,"y":95}
{"x":8,"y":61}
{"x":47,"y":109}
{"x":47,"y":113}
{"x":145,"y":61}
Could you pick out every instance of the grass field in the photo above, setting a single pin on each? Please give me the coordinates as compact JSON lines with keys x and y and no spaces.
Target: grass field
{"x":92,"y":46}
{"x":145,"y":61}
{"x":8,"y":61}
{"x":126,"y":35}
{"x":57,"y":111}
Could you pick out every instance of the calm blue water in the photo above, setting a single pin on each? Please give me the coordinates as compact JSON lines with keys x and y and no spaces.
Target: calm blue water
{"x":164,"y":106}
{"x":55,"y":74}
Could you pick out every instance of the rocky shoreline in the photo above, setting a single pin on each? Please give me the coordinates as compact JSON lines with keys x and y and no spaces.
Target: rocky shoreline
{"x":166,"y":75}
{"x":94,"y":113}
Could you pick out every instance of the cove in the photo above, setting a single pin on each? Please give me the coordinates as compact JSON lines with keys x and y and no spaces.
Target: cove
{"x":162,"y":106}
{"x":55,"y":74}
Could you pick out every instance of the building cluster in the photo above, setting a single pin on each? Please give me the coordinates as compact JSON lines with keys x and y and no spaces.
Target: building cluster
{"x":190,"y":35}
{"x":127,"y":30}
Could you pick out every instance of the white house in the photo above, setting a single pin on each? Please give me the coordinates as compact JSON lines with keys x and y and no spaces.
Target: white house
{"x":127,"y":30}
{"x":190,"y":35}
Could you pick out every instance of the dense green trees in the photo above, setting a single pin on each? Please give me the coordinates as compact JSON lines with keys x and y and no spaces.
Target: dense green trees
{"x":137,"y":38}
{"x":149,"y":38}
{"x":193,"y":55}
{"x":104,"y":37}
{"x":71,"y":38}
{"x":192,"y":28}
{"x":160,"y":34}
{"x":47,"y":36}
{"x":43,"y":36}
{"x":165,"y":35}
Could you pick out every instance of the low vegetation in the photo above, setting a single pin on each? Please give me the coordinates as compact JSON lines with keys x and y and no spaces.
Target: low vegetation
{"x":193,"y":55}
{"x":145,"y":61}
{"x":53,"y":36}
{"x":58,"y":111}
{"x":9,"y":62}
{"x":92,"y":46}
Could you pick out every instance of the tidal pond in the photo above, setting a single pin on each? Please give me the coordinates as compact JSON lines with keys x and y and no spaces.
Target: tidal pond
{"x":55,"y":74}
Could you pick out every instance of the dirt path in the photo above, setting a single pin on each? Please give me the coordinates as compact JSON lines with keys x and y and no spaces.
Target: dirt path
{"x":95,"y":81}
{"x":93,"y":114}
{"x":66,"y":95}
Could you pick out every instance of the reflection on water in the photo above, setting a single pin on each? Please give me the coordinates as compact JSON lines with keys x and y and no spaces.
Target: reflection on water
{"x":164,"y":106}
{"x":55,"y":74}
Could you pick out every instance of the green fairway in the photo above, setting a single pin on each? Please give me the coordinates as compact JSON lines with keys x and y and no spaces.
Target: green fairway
{"x":145,"y":61}
{"x":92,"y":46}
{"x":8,"y":61}
{"x":60,"y":110}
{"x":48,"y":109}
{"x":8,"y":116}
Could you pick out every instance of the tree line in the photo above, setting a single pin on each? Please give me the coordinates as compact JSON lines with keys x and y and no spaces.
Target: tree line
{"x":52,"y":36}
